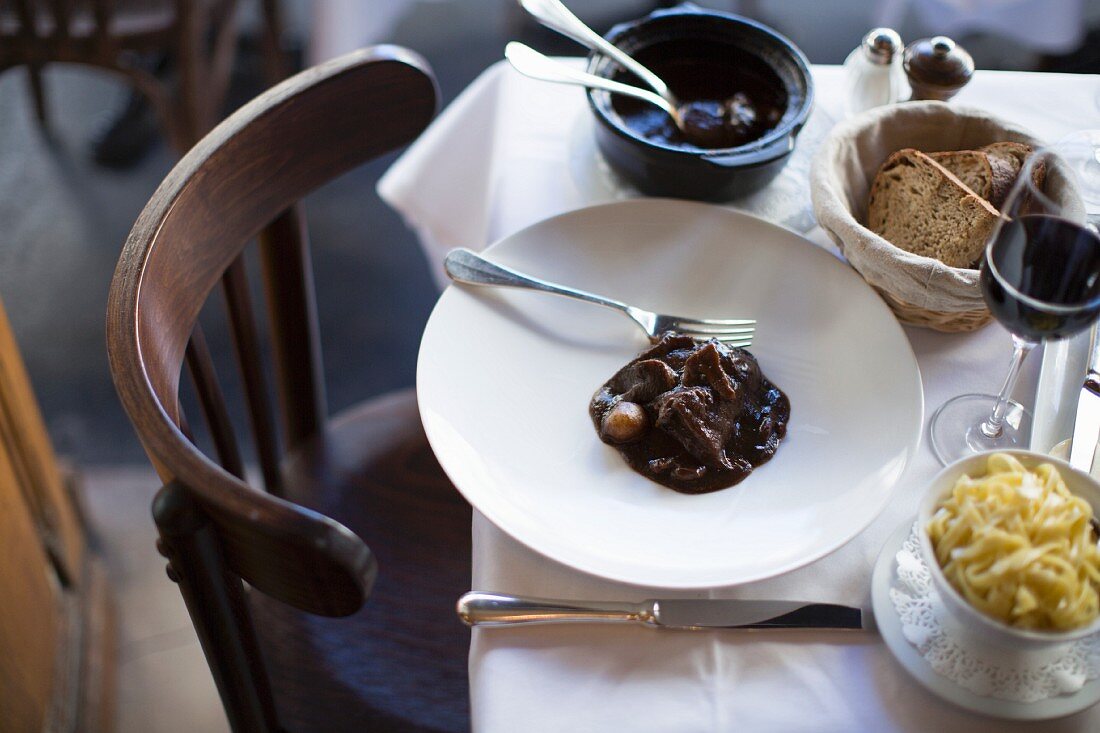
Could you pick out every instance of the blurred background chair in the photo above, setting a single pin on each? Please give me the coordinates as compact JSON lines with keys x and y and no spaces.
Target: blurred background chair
{"x":196,"y":39}
{"x":266,"y":574}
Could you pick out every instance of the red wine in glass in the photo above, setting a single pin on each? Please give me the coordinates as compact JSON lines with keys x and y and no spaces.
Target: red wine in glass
{"x":1041,"y":277}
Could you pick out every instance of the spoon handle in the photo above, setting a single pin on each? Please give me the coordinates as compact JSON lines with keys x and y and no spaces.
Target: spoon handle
{"x":530,"y":62}
{"x":553,"y":14}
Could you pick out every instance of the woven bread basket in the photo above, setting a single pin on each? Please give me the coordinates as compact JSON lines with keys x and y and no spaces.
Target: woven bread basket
{"x":921,"y":291}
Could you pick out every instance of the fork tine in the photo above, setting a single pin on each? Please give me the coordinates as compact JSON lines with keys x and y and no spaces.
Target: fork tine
{"x":717,"y":321}
{"x":717,"y":330}
{"x":741,"y":341}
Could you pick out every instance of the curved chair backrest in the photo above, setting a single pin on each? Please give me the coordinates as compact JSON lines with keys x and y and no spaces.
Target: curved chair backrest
{"x":243,"y":180}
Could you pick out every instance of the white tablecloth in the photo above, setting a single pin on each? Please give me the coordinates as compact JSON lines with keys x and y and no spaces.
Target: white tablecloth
{"x":509,"y":152}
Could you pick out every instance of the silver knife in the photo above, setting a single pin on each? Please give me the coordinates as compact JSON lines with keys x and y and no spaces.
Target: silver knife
{"x":1086,"y":426}
{"x":493,"y":609}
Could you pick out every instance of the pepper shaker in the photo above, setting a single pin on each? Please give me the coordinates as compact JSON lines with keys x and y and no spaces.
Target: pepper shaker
{"x":874,"y":71}
{"x":937,"y":68}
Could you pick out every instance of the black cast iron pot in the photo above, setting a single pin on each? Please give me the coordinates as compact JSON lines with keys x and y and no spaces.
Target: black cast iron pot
{"x":661,"y":169}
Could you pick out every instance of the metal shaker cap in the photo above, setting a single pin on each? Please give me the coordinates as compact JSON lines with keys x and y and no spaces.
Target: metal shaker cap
{"x":881,"y":45}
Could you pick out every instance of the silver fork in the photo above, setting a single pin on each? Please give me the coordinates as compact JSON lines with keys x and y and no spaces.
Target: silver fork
{"x":466,"y":266}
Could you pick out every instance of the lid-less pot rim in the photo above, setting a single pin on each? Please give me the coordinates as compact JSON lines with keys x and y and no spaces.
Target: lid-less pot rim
{"x":599,"y":101}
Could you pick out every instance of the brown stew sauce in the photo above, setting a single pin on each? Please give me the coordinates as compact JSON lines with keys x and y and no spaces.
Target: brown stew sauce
{"x":695,"y":416}
{"x":729,"y":97}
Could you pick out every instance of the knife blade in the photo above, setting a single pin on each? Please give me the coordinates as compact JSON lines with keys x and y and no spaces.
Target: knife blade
{"x":1086,"y":425}
{"x":477,"y":608}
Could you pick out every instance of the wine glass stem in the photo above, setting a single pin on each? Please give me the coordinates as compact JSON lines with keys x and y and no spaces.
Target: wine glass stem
{"x":994,"y":424}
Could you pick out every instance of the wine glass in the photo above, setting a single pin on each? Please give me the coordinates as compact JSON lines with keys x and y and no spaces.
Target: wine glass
{"x":1040,"y":277}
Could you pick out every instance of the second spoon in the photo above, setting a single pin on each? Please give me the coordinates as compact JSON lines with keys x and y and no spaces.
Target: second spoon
{"x":553,"y":14}
{"x":530,"y":62}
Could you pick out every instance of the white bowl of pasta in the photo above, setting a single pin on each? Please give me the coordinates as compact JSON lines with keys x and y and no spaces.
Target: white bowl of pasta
{"x":1011,"y":548}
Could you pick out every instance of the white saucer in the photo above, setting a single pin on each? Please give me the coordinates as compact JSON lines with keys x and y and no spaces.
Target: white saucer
{"x":889,"y":625}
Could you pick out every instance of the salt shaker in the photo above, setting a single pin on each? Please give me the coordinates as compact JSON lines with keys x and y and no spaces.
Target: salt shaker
{"x":937,"y":68}
{"x":875,"y":76}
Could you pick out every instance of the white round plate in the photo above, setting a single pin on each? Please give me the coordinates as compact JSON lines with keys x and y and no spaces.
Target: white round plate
{"x":889,"y":625}
{"x":505,"y":377}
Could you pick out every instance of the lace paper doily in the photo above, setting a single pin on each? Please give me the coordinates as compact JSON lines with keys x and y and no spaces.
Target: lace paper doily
{"x":983,"y":670}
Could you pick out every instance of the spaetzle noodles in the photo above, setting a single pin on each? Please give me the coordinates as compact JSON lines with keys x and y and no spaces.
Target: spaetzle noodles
{"x":1018,"y":546}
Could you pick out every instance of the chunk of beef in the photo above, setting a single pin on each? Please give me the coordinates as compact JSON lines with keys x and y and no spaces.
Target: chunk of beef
{"x":695,"y":416}
{"x":705,"y":368}
{"x":641,"y":381}
{"x":685,"y":414}
{"x":668,"y":343}
{"x":743,"y":367}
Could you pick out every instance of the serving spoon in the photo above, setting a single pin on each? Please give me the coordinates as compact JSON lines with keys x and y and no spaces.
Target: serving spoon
{"x":702,"y":122}
{"x":530,"y":62}
{"x":554,"y":15}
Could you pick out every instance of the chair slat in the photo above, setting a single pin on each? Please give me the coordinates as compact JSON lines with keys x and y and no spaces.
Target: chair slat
{"x":102,"y":10}
{"x":28,"y":26}
{"x":275,"y":63}
{"x":212,"y":401}
{"x":219,"y":64}
{"x":212,"y":594}
{"x":249,"y":358}
{"x":62,"y":16}
{"x":28,"y":31}
{"x":284,"y":251}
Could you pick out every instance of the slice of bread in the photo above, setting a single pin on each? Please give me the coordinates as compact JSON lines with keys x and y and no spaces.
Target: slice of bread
{"x":1013,"y":155}
{"x":918,"y":205}
{"x":990,"y":176}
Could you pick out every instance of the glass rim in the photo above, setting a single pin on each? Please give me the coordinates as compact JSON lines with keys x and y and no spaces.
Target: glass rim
{"x":1025,"y":180}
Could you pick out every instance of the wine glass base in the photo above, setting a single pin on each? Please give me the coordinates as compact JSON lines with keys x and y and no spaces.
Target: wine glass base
{"x":956,"y":427}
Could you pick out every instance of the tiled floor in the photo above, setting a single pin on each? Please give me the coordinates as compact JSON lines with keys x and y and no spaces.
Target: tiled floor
{"x":164,"y":685}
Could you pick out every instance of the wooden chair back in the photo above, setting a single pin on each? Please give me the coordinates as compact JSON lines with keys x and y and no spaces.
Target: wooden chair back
{"x":243,"y":180}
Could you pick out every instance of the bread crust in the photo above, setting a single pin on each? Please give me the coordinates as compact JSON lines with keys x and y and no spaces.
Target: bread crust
{"x":1013,"y":155}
